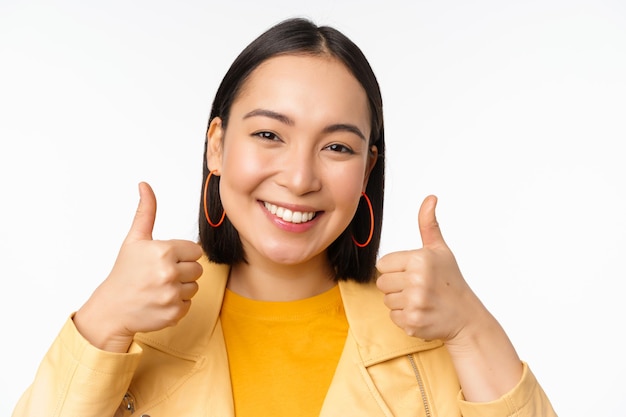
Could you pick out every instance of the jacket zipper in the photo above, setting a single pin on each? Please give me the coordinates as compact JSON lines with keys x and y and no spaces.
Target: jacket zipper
{"x":128,"y":402}
{"x":420,"y":384}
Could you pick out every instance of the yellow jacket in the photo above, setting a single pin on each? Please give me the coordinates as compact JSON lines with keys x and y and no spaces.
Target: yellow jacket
{"x":183,"y":370}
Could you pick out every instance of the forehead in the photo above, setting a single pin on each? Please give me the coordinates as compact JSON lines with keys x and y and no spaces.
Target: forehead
{"x":305,"y":86}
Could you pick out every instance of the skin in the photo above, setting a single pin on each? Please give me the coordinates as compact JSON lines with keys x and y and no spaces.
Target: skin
{"x":149,"y":288}
{"x":296,"y":138}
{"x":429,"y":298}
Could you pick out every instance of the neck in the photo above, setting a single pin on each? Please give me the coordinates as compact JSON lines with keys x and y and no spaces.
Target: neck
{"x":266,"y":281}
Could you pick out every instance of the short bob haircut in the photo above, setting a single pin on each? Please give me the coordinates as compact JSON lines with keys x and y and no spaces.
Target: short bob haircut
{"x":299,"y":36}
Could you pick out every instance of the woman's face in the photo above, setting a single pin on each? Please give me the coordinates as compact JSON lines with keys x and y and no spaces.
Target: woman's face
{"x":294,"y":157}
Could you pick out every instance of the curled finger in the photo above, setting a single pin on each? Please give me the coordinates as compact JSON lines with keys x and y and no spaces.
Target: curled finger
{"x":188,"y":271}
{"x":188,"y":290}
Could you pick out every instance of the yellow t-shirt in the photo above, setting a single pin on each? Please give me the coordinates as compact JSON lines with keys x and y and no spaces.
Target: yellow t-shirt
{"x":283,"y":355}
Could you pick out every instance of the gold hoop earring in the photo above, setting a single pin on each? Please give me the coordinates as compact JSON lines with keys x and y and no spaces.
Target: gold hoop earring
{"x":369,"y":238}
{"x":206,"y":211}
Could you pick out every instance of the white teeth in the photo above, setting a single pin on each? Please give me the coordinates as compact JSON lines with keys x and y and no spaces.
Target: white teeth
{"x":288,"y":215}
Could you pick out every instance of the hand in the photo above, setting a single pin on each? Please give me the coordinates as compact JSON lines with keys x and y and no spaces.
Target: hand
{"x":429,"y":298}
{"x":424,"y":289}
{"x":149,"y":288}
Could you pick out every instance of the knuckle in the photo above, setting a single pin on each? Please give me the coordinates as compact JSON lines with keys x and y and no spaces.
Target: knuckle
{"x":416,"y":259}
{"x":416,"y":297}
{"x":163,"y":249}
{"x":167,"y":273}
{"x":168,"y":295}
{"x":414,"y":279}
{"x":173,"y":316}
{"x":415,"y":318}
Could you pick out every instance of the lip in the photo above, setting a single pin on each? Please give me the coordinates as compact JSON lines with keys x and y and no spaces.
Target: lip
{"x":292,"y":207}
{"x":288,"y":226}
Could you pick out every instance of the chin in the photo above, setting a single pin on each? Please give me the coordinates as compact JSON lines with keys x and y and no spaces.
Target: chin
{"x":280,"y":259}
{"x":288,"y":255}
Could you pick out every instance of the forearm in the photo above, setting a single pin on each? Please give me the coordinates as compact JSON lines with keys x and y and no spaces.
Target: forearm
{"x":75,"y":378}
{"x":486,"y":362}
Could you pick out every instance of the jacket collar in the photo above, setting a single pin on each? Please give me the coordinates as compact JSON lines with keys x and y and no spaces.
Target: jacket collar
{"x":378,"y":338}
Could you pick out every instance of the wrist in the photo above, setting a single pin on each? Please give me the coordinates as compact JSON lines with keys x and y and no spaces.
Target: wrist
{"x":96,"y":330}
{"x":485,"y":360}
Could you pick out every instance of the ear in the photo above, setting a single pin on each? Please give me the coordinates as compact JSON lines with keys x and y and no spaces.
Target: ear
{"x":372,"y":157}
{"x":215,"y":139}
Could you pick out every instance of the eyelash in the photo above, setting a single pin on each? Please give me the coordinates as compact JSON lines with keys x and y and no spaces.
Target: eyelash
{"x":342,"y":148}
{"x":265,"y":135}
{"x":271,"y":137}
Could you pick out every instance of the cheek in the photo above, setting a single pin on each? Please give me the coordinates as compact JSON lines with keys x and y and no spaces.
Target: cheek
{"x":242,"y":169}
{"x":347,"y":185}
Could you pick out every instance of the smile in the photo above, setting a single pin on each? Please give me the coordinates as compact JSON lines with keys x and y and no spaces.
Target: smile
{"x":289,"y":215}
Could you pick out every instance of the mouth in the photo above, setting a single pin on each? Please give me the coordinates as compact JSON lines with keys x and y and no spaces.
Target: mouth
{"x":288,"y":215}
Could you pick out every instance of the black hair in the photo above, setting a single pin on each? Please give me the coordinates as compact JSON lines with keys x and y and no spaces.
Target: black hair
{"x":302,"y":37}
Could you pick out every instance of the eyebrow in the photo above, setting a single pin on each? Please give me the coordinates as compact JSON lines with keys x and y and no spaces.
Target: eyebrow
{"x":339,"y":127}
{"x":271,"y":114}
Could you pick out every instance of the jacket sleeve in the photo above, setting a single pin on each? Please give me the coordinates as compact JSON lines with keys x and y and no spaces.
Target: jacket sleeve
{"x":526,"y":399}
{"x":77,"y":379}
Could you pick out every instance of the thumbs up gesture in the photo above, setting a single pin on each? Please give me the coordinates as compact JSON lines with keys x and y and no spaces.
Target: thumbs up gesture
{"x":149,"y":288}
{"x":424,"y":289}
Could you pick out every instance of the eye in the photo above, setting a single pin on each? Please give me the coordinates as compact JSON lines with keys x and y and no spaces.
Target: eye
{"x":337,"y":147}
{"x":269,"y":136}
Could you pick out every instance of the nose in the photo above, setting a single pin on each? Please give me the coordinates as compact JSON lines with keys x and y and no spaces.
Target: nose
{"x":300,"y":172}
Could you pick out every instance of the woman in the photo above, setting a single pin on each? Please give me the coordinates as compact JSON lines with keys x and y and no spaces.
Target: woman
{"x":291,"y":313}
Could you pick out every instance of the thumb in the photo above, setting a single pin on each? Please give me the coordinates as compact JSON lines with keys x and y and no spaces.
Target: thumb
{"x":429,"y":228}
{"x":143,"y":223}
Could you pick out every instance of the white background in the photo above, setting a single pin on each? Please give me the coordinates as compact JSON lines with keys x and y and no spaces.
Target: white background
{"x":512,"y":112}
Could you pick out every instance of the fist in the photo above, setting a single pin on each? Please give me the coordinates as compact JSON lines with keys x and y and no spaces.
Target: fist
{"x":149,"y":288}
{"x":424,"y":289}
